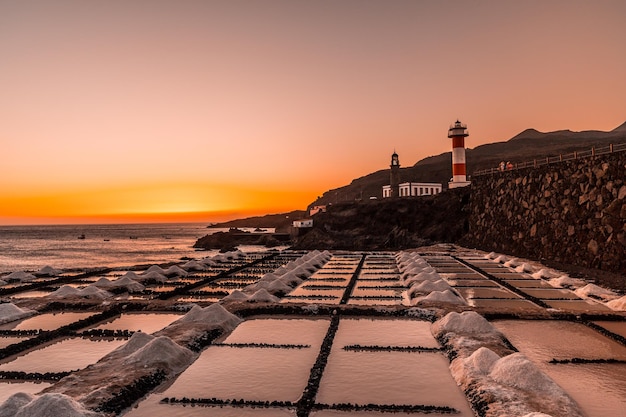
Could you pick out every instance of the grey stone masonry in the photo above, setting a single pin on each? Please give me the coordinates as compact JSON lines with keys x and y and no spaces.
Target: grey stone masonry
{"x":570,"y":212}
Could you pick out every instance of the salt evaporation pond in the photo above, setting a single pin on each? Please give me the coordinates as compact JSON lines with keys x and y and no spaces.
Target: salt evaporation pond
{"x":66,"y":355}
{"x":9,"y":388}
{"x":46,"y":321}
{"x":280,"y":331}
{"x":388,"y":377}
{"x":147,"y":323}
{"x":252,"y":373}
{"x":617,"y":327}
{"x":9,"y":340}
{"x":600,"y":389}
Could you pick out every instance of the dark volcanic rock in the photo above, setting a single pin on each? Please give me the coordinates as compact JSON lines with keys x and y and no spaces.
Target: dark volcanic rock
{"x":389,"y":223}
{"x":234,"y":237}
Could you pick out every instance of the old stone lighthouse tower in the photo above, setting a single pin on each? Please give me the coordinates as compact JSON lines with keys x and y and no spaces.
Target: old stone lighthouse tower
{"x":394,"y":180}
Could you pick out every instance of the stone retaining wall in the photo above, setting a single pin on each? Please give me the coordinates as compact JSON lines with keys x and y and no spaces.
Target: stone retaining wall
{"x":570,"y":212}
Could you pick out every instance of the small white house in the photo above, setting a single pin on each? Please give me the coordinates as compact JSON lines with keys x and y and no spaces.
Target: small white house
{"x":302,"y":223}
{"x":414,"y":189}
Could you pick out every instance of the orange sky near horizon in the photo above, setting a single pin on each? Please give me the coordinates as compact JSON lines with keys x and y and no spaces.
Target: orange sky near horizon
{"x":208,"y":110}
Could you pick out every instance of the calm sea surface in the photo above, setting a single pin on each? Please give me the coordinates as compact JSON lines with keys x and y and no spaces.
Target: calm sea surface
{"x":29,"y":248}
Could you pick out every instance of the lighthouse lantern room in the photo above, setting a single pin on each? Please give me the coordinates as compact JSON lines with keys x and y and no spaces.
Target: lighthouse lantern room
{"x":458,"y":132}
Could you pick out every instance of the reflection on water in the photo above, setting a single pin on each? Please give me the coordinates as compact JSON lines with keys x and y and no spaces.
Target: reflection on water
{"x":9,"y":340}
{"x":66,"y":355}
{"x":384,"y":333}
{"x":617,"y":327}
{"x":9,"y":388}
{"x":47,"y":321}
{"x":147,"y":323}
{"x":335,"y":413}
{"x":390,"y":378}
{"x":248,"y":373}
{"x":600,"y":389}
{"x":280,"y":331}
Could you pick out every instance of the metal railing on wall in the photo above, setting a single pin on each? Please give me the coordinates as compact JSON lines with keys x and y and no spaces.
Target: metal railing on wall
{"x":619,"y":147}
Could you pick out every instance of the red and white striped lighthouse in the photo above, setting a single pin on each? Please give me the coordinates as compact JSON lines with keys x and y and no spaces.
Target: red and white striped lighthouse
{"x":458,"y":132}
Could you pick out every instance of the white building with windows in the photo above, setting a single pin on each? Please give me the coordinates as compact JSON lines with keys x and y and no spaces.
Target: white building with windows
{"x":413,"y":189}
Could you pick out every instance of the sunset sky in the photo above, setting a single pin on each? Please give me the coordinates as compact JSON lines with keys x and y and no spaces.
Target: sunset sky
{"x":183,"y":110}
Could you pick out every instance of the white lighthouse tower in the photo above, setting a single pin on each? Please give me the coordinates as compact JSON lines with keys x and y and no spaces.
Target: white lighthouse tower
{"x":458,"y":132}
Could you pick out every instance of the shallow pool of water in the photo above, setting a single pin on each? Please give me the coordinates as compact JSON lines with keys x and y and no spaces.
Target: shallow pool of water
{"x":31,"y":294}
{"x":263,"y":374}
{"x":482,"y":292}
{"x":577,"y":305}
{"x":147,"y":323}
{"x":66,"y":355}
{"x":376,"y":301}
{"x":390,"y":378}
{"x":9,"y":340}
{"x":617,"y":327}
{"x":280,"y":331}
{"x":377,"y":332}
{"x":600,"y":389}
{"x":46,"y":321}
{"x":9,"y":388}
{"x":336,"y":413}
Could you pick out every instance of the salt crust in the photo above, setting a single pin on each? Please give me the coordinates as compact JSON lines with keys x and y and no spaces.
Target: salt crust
{"x":10,"y":312}
{"x":19,"y":276}
{"x":618,"y":304}
{"x":592,"y":290}
{"x":45,"y":405}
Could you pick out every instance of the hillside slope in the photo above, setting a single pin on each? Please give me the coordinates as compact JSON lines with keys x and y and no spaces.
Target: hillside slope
{"x":524,"y":146}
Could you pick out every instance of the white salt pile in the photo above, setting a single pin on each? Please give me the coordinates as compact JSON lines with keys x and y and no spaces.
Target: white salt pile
{"x":491,"y":255}
{"x":10,"y":312}
{"x":89,"y":292}
{"x":48,"y":271}
{"x":594,"y":291}
{"x":175,"y":271}
{"x":194,"y":266}
{"x":160,"y":353}
{"x":156,"y":268}
{"x":152,"y":276}
{"x":126,"y":283}
{"x":45,"y":405}
{"x":263,"y":296}
{"x":517,"y":371}
{"x":20,"y":276}
{"x":481,"y":361}
{"x":565,"y":281}
{"x":545,"y":273}
{"x":236,"y":295}
{"x":2,"y":282}
{"x":213,"y":316}
{"x":618,"y":304}
{"x":525,"y":267}
{"x":501,"y":259}
{"x":446,"y":296}
{"x":426,"y":287}
{"x":468,"y":323}
{"x":512,"y":263}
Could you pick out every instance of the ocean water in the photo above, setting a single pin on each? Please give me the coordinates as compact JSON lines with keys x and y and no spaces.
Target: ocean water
{"x":29,"y":248}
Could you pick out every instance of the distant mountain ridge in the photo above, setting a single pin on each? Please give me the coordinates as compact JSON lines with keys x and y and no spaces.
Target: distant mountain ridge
{"x":525,"y":146}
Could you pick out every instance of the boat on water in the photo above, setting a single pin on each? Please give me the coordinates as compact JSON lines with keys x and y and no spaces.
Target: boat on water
{"x":81,"y":236}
